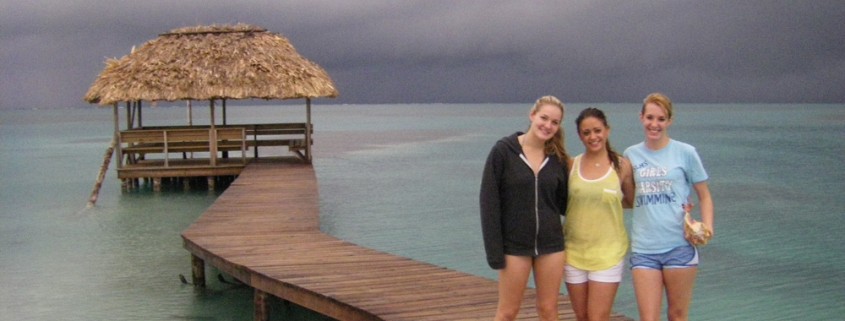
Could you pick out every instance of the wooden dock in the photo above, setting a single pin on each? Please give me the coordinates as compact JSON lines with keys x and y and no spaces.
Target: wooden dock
{"x":264,"y":230}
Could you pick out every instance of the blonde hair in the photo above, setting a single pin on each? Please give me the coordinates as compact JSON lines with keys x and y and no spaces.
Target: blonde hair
{"x":660,"y":100}
{"x":555,"y":145}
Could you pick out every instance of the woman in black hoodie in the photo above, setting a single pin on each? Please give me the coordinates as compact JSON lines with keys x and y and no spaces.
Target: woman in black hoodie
{"x":523,"y":196}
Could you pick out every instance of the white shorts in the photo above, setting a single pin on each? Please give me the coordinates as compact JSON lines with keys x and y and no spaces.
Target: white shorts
{"x":577,"y":276}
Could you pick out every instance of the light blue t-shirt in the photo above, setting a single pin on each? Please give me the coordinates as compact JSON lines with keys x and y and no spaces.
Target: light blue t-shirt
{"x":663,"y":179}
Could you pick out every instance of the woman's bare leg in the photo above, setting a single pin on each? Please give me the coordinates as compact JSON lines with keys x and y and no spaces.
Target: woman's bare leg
{"x":548,"y":273}
{"x":578,"y":297}
{"x":512,"y":282}
{"x":679,"y":284}
{"x":648,"y":287}
{"x":600,"y":299}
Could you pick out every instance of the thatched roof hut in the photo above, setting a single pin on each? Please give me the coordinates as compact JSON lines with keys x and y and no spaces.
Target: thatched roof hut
{"x":211,"y":62}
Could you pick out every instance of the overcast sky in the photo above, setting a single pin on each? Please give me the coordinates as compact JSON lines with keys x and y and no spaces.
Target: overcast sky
{"x":462,"y":51}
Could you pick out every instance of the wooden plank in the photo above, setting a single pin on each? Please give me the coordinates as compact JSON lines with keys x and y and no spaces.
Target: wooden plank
{"x":231,"y":133}
{"x":141,"y":136}
{"x":187,"y":135}
{"x":180,"y":147}
{"x":276,"y":142}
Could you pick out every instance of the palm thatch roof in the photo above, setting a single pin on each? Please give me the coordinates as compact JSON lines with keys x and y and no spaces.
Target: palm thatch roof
{"x":211,"y":62}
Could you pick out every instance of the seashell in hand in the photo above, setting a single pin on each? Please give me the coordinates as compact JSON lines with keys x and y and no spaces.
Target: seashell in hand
{"x":695,"y":232}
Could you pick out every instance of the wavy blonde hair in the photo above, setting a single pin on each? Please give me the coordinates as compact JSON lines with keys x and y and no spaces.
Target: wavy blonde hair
{"x":658,"y":99}
{"x":555,"y":145}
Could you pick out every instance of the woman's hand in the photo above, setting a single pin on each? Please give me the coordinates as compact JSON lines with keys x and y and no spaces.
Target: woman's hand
{"x":696,"y":232}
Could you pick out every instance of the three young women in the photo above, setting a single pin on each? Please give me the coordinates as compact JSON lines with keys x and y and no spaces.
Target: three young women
{"x":526,"y":173}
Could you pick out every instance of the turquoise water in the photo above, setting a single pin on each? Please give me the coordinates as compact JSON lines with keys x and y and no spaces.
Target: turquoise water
{"x":404,"y":179}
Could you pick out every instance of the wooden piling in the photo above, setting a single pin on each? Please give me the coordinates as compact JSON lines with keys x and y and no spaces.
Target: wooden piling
{"x":262,"y":309}
{"x":102,"y":175}
{"x":197,"y":271}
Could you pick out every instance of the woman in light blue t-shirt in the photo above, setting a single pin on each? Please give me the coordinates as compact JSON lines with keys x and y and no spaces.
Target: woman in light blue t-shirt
{"x":666,"y":172}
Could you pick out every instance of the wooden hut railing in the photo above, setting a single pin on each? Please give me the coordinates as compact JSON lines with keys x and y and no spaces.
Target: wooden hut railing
{"x":292,"y":135}
{"x":135,"y":143}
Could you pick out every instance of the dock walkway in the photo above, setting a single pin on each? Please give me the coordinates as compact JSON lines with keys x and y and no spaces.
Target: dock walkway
{"x":264,"y":230}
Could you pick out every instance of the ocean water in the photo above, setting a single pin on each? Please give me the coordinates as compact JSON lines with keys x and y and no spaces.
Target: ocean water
{"x":404,"y":179}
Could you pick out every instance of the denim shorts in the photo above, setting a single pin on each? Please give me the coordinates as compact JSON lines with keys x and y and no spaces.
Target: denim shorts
{"x":679,"y":257}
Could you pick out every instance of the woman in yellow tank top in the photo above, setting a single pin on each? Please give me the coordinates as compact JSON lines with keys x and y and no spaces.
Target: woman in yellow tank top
{"x":600,"y":183}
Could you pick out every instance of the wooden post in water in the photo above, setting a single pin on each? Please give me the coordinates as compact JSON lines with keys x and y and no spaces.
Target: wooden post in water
{"x":103,"y":168}
{"x":308,"y":129}
{"x":197,"y":271}
{"x":262,"y":309}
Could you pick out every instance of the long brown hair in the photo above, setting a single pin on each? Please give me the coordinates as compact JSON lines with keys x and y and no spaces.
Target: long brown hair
{"x":598,"y":114}
{"x":555,"y":145}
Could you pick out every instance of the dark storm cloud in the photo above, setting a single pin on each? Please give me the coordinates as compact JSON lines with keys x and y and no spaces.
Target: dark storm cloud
{"x":462,"y":51}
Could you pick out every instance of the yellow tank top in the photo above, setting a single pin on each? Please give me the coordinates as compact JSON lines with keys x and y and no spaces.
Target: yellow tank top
{"x":594,"y":228}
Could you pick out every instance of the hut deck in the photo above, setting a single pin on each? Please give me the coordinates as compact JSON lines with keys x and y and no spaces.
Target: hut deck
{"x":181,"y":168}
{"x":264,"y":230}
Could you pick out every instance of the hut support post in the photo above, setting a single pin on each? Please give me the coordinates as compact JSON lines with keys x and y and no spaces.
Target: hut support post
{"x":190,"y":114}
{"x":140,"y":118}
{"x":211,"y":107}
{"x":224,"y":111}
{"x":212,"y":137}
{"x":308,"y":129}
{"x":119,"y":160}
{"x":128,"y":114}
{"x":262,"y":309}
{"x":197,"y":271}
{"x":225,"y":153}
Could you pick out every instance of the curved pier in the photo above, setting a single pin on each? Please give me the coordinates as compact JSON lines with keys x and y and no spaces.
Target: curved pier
{"x":264,"y":230}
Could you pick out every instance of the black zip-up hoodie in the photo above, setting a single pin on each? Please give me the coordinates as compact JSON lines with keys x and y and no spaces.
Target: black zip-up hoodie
{"x":520,"y":213}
